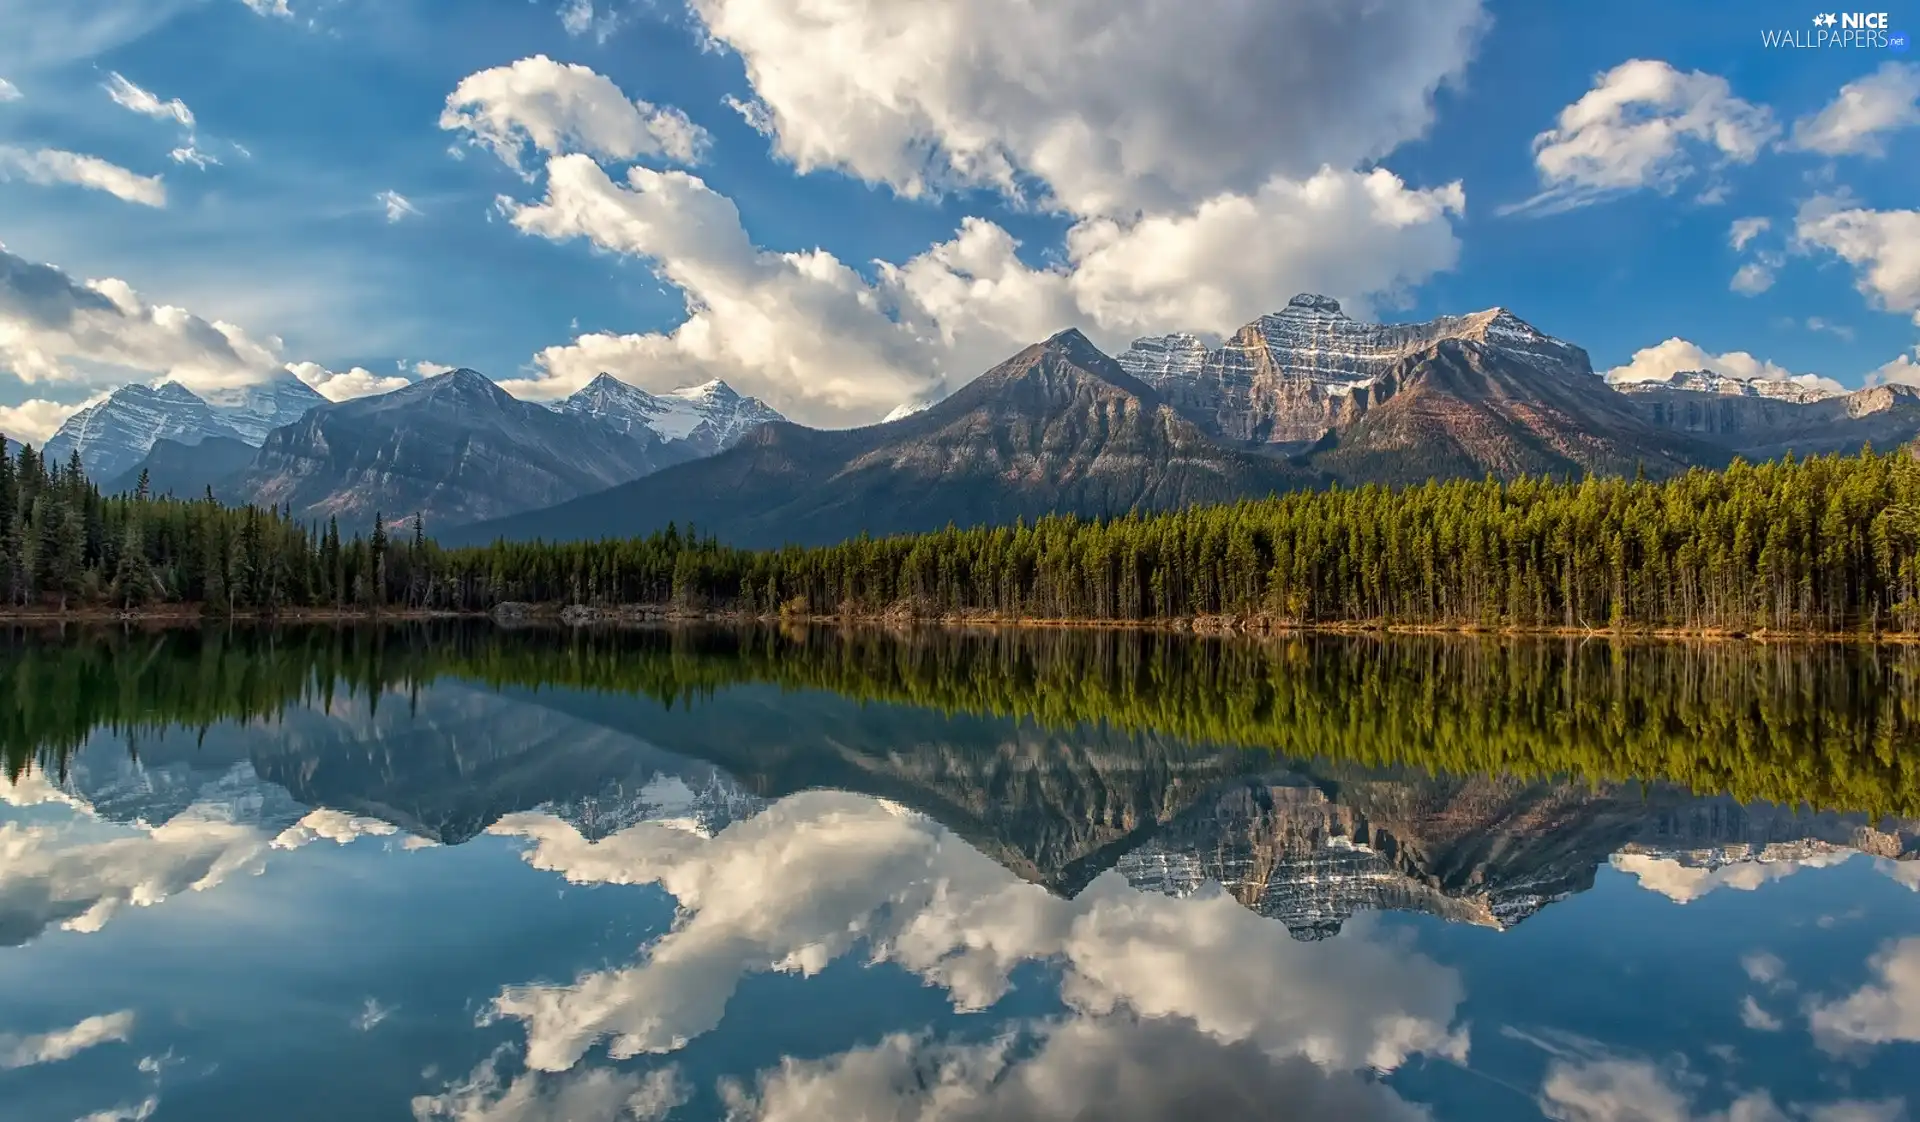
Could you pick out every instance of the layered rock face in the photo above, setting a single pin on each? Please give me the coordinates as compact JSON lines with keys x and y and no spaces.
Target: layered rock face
{"x":1291,"y":377}
{"x":115,"y":435}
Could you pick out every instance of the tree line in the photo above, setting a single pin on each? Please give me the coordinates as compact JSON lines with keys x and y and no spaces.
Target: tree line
{"x":1827,"y":725}
{"x":1827,"y":543}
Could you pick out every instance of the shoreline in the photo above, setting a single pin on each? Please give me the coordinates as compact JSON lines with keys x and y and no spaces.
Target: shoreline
{"x":897,"y":618}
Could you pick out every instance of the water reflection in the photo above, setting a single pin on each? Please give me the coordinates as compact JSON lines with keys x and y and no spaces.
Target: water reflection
{"x":491,"y":895}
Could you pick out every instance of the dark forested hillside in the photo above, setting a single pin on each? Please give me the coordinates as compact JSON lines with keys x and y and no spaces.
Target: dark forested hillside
{"x":1824,"y":544}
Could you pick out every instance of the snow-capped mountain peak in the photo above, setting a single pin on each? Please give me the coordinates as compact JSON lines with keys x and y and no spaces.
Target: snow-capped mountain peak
{"x":710,"y":417}
{"x":1801,"y":388}
{"x":254,"y":411}
{"x":114,"y":435}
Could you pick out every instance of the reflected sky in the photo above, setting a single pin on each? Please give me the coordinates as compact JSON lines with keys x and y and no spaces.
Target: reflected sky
{"x":517,"y":905}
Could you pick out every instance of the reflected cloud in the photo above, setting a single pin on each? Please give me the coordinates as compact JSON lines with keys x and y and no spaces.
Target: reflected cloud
{"x":1884,"y":1011}
{"x":802,"y":883}
{"x":138,"y":1112}
{"x":1118,"y":1069}
{"x":1617,"y":1089}
{"x":51,"y":878}
{"x":331,"y":825}
{"x":593,"y":1095}
{"x":1684,"y":882}
{"x":64,"y":1044}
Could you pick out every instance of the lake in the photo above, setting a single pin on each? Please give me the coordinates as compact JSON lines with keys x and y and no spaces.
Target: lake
{"x":469,"y":873}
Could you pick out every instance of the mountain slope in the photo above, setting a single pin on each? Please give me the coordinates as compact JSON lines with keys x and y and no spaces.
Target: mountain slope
{"x":256,"y":410}
{"x":1464,"y":408}
{"x":1765,"y":426}
{"x":1059,"y":427}
{"x":186,"y":470}
{"x":114,"y":435}
{"x":1288,"y":378}
{"x":455,"y":448}
{"x":709,"y":418}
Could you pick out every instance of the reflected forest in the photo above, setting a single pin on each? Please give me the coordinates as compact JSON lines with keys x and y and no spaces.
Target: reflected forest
{"x":1816,"y":724}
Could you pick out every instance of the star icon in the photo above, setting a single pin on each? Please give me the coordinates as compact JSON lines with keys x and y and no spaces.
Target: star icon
{"x":1827,"y":19}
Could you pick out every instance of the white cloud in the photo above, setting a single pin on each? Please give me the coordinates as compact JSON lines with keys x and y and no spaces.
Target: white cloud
{"x":370,"y":1015}
{"x":1904,"y":370}
{"x":146,"y":103}
{"x":1764,"y":967}
{"x":817,"y":874}
{"x":1883,"y":246}
{"x":1864,"y":113}
{"x":1745,"y":230}
{"x":1656,"y":363}
{"x":37,"y":419}
{"x":270,"y":8}
{"x":49,"y":166}
{"x":63,"y":1044}
{"x":1117,"y":1069}
{"x":49,"y":322}
{"x":345,"y":385}
{"x":823,"y":343}
{"x":558,"y":107}
{"x":397,"y":205}
{"x":1607,"y":1088}
{"x":138,"y":1112}
{"x":1884,"y":1011}
{"x":50,"y":879}
{"x":1107,"y":107}
{"x":188,"y":154}
{"x":589,"y":1095}
{"x":1756,"y":1018}
{"x":1838,"y":330}
{"x":1751,"y":279}
{"x":8,"y":91}
{"x":427,"y":369}
{"x":1644,"y":124}
{"x":335,"y":826}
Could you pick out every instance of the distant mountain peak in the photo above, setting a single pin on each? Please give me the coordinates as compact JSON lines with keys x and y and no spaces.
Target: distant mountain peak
{"x":168,"y":391}
{"x":714,"y":390}
{"x":710,"y":417}
{"x":1313,"y":302}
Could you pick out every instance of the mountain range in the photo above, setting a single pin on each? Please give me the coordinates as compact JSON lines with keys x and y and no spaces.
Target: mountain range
{"x":1307,"y":843}
{"x":1304,"y":397}
{"x":454,"y":447}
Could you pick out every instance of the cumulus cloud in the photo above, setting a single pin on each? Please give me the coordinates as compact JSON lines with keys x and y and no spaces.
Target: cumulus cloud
{"x":1884,"y":1011}
{"x":427,"y":369}
{"x":590,"y":1095}
{"x":270,"y":8}
{"x":50,"y":166}
{"x":822,"y":342}
{"x":1866,"y":111}
{"x":556,"y":107}
{"x":1606,"y":1088}
{"x":1883,"y":246}
{"x":146,"y":103}
{"x":1902,"y":370}
{"x":1656,"y":364}
{"x":37,"y":419}
{"x":396,"y":205}
{"x":48,"y":879}
{"x":1752,"y":278}
{"x":8,"y":91}
{"x":335,"y":826}
{"x":1645,"y":125}
{"x":1094,"y":106}
{"x":807,"y":880}
{"x":345,"y":385}
{"x":1118,"y":1069}
{"x":62,"y":1044}
{"x":1756,"y":1018}
{"x":49,"y":322}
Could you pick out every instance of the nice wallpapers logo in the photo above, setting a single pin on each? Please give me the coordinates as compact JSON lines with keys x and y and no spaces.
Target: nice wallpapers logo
{"x":1838,"y":29}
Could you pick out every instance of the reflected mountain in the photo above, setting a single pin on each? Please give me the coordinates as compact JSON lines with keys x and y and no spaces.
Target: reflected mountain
{"x":444,"y":735}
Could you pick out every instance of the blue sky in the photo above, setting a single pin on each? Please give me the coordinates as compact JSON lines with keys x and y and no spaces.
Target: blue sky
{"x":1161,"y":167}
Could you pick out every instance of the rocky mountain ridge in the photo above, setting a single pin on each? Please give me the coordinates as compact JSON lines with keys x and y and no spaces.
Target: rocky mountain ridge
{"x":709,"y":418}
{"x":1057,"y":427}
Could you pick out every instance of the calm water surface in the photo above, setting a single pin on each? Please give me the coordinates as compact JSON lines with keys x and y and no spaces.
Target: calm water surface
{"x":472,"y":874}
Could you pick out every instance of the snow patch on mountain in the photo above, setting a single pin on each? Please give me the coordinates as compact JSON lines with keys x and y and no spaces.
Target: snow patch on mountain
{"x":712,"y":417}
{"x":1800,"y":388}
